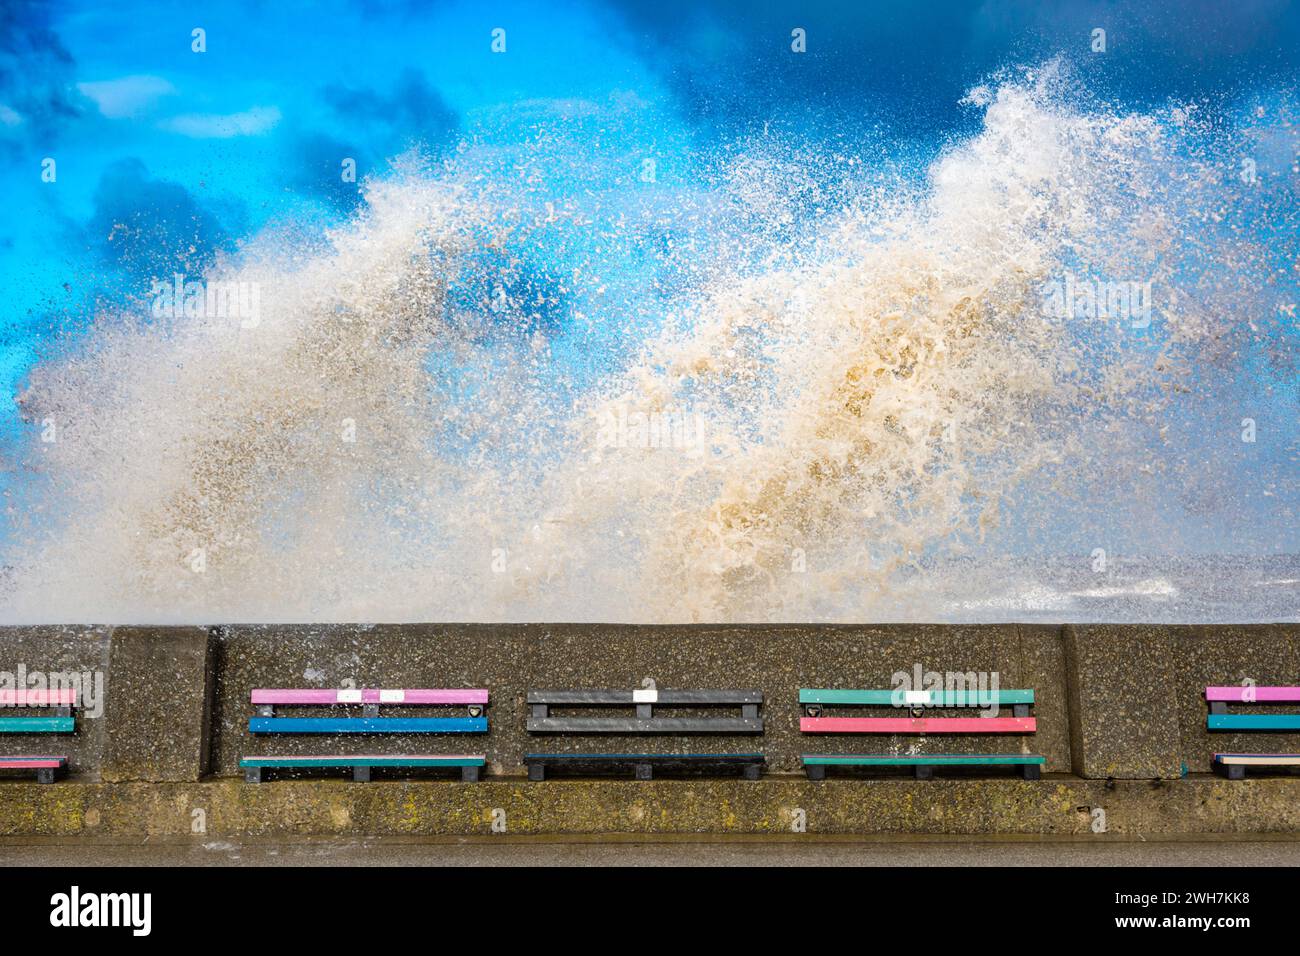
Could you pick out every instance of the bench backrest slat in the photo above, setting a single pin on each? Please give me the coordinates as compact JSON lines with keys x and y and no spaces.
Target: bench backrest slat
{"x":614,"y":696}
{"x":886,"y":698}
{"x":426,"y":695}
{"x":1247,"y":695}
{"x":63,"y":697}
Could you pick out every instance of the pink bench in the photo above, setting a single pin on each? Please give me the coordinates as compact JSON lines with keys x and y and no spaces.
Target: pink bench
{"x":63,"y":697}
{"x":370,"y":722}
{"x":371,"y":695}
{"x":1267,"y":720}
{"x":61,"y":701}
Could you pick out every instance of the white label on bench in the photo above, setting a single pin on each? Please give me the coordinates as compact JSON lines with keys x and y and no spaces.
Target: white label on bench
{"x":392,"y":696}
{"x":916,"y":697}
{"x":349,"y":697}
{"x":647,"y":696}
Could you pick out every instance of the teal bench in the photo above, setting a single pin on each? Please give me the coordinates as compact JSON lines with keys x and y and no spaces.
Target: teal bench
{"x":61,"y":721}
{"x":909,"y":717}
{"x":368,"y":722}
{"x":470,"y":765}
{"x":1234,"y":765}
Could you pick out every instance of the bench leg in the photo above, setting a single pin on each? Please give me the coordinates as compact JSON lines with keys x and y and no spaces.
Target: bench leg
{"x":752,"y":771}
{"x":470,"y":774}
{"x":537,"y":771}
{"x":1234,"y":771}
{"x":1218,"y":706}
{"x":645,"y":711}
{"x":361,"y":774}
{"x":1019,"y":710}
{"x":924,"y":772}
{"x":252,"y":775}
{"x":45,"y":775}
{"x":644,"y":771}
{"x":369,"y":710}
{"x":816,"y":771}
{"x":1032,"y":771}
{"x":62,"y":711}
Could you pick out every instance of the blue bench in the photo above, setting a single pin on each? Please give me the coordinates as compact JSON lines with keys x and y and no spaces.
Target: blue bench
{"x":368,"y":721}
{"x":61,"y":701}
{"x":1234,"y":765}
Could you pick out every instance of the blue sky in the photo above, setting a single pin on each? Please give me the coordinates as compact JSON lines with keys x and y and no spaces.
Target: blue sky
{"x":166,"y":157}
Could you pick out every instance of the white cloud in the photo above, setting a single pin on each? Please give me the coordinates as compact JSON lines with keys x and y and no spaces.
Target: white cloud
{"x":127,"y":95}
{"x":251,"y":122}
{"x":9,"y":116}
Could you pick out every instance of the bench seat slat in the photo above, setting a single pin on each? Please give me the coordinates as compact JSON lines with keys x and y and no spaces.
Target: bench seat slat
{"x":885,"y":698}
{"x":1253,"y":722}
{"x":368,"y":725}
{"x":653,"y":725}
{"x":918,"y":725}
{"x":1247,"y":695}
{"x":1260,"y":760}
{"x":37,"y":725}
{"x":831,"y":760}
{"x":619,"y":696}
{"x":370,"y":695}
{"x":721,"y":758}
{"x":32,"y":762}
{"x":646,"y":765}
{"x":63,"y":697}
{"x":367,"y":760}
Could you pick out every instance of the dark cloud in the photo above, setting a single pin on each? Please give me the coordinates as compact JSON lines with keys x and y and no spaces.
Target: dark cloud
{"x":370,"y":127}
{"x":150,"y":227}
{"x":413,"y":109}
{"x":36,"y":74}
{"x":318,"y":168}
{"x":906,"y":65}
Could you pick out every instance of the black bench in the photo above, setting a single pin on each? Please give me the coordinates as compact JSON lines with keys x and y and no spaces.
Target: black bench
{"x":645,"y":716}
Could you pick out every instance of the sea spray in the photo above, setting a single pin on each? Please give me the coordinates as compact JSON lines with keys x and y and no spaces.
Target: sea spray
{"x":869,"y":391}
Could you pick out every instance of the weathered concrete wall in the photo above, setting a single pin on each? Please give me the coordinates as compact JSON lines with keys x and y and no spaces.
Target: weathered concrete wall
{"x":160,"y":706}
{"x":1122,"y":702}
{"x":1064,"y":807}
{"x":511,"y":659}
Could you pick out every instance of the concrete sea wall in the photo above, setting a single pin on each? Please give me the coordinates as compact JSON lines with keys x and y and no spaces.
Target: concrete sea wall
{"x":1120,"y":710}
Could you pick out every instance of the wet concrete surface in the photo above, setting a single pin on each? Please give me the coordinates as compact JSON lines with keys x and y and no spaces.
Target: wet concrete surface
{"x":675,"y":853}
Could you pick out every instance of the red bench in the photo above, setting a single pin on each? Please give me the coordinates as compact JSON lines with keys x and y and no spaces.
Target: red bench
{"x":61,"y":701}
{"x":816,"y":701}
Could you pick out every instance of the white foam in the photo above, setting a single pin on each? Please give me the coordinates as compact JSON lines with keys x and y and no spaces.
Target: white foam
{"x":872,"y":396}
